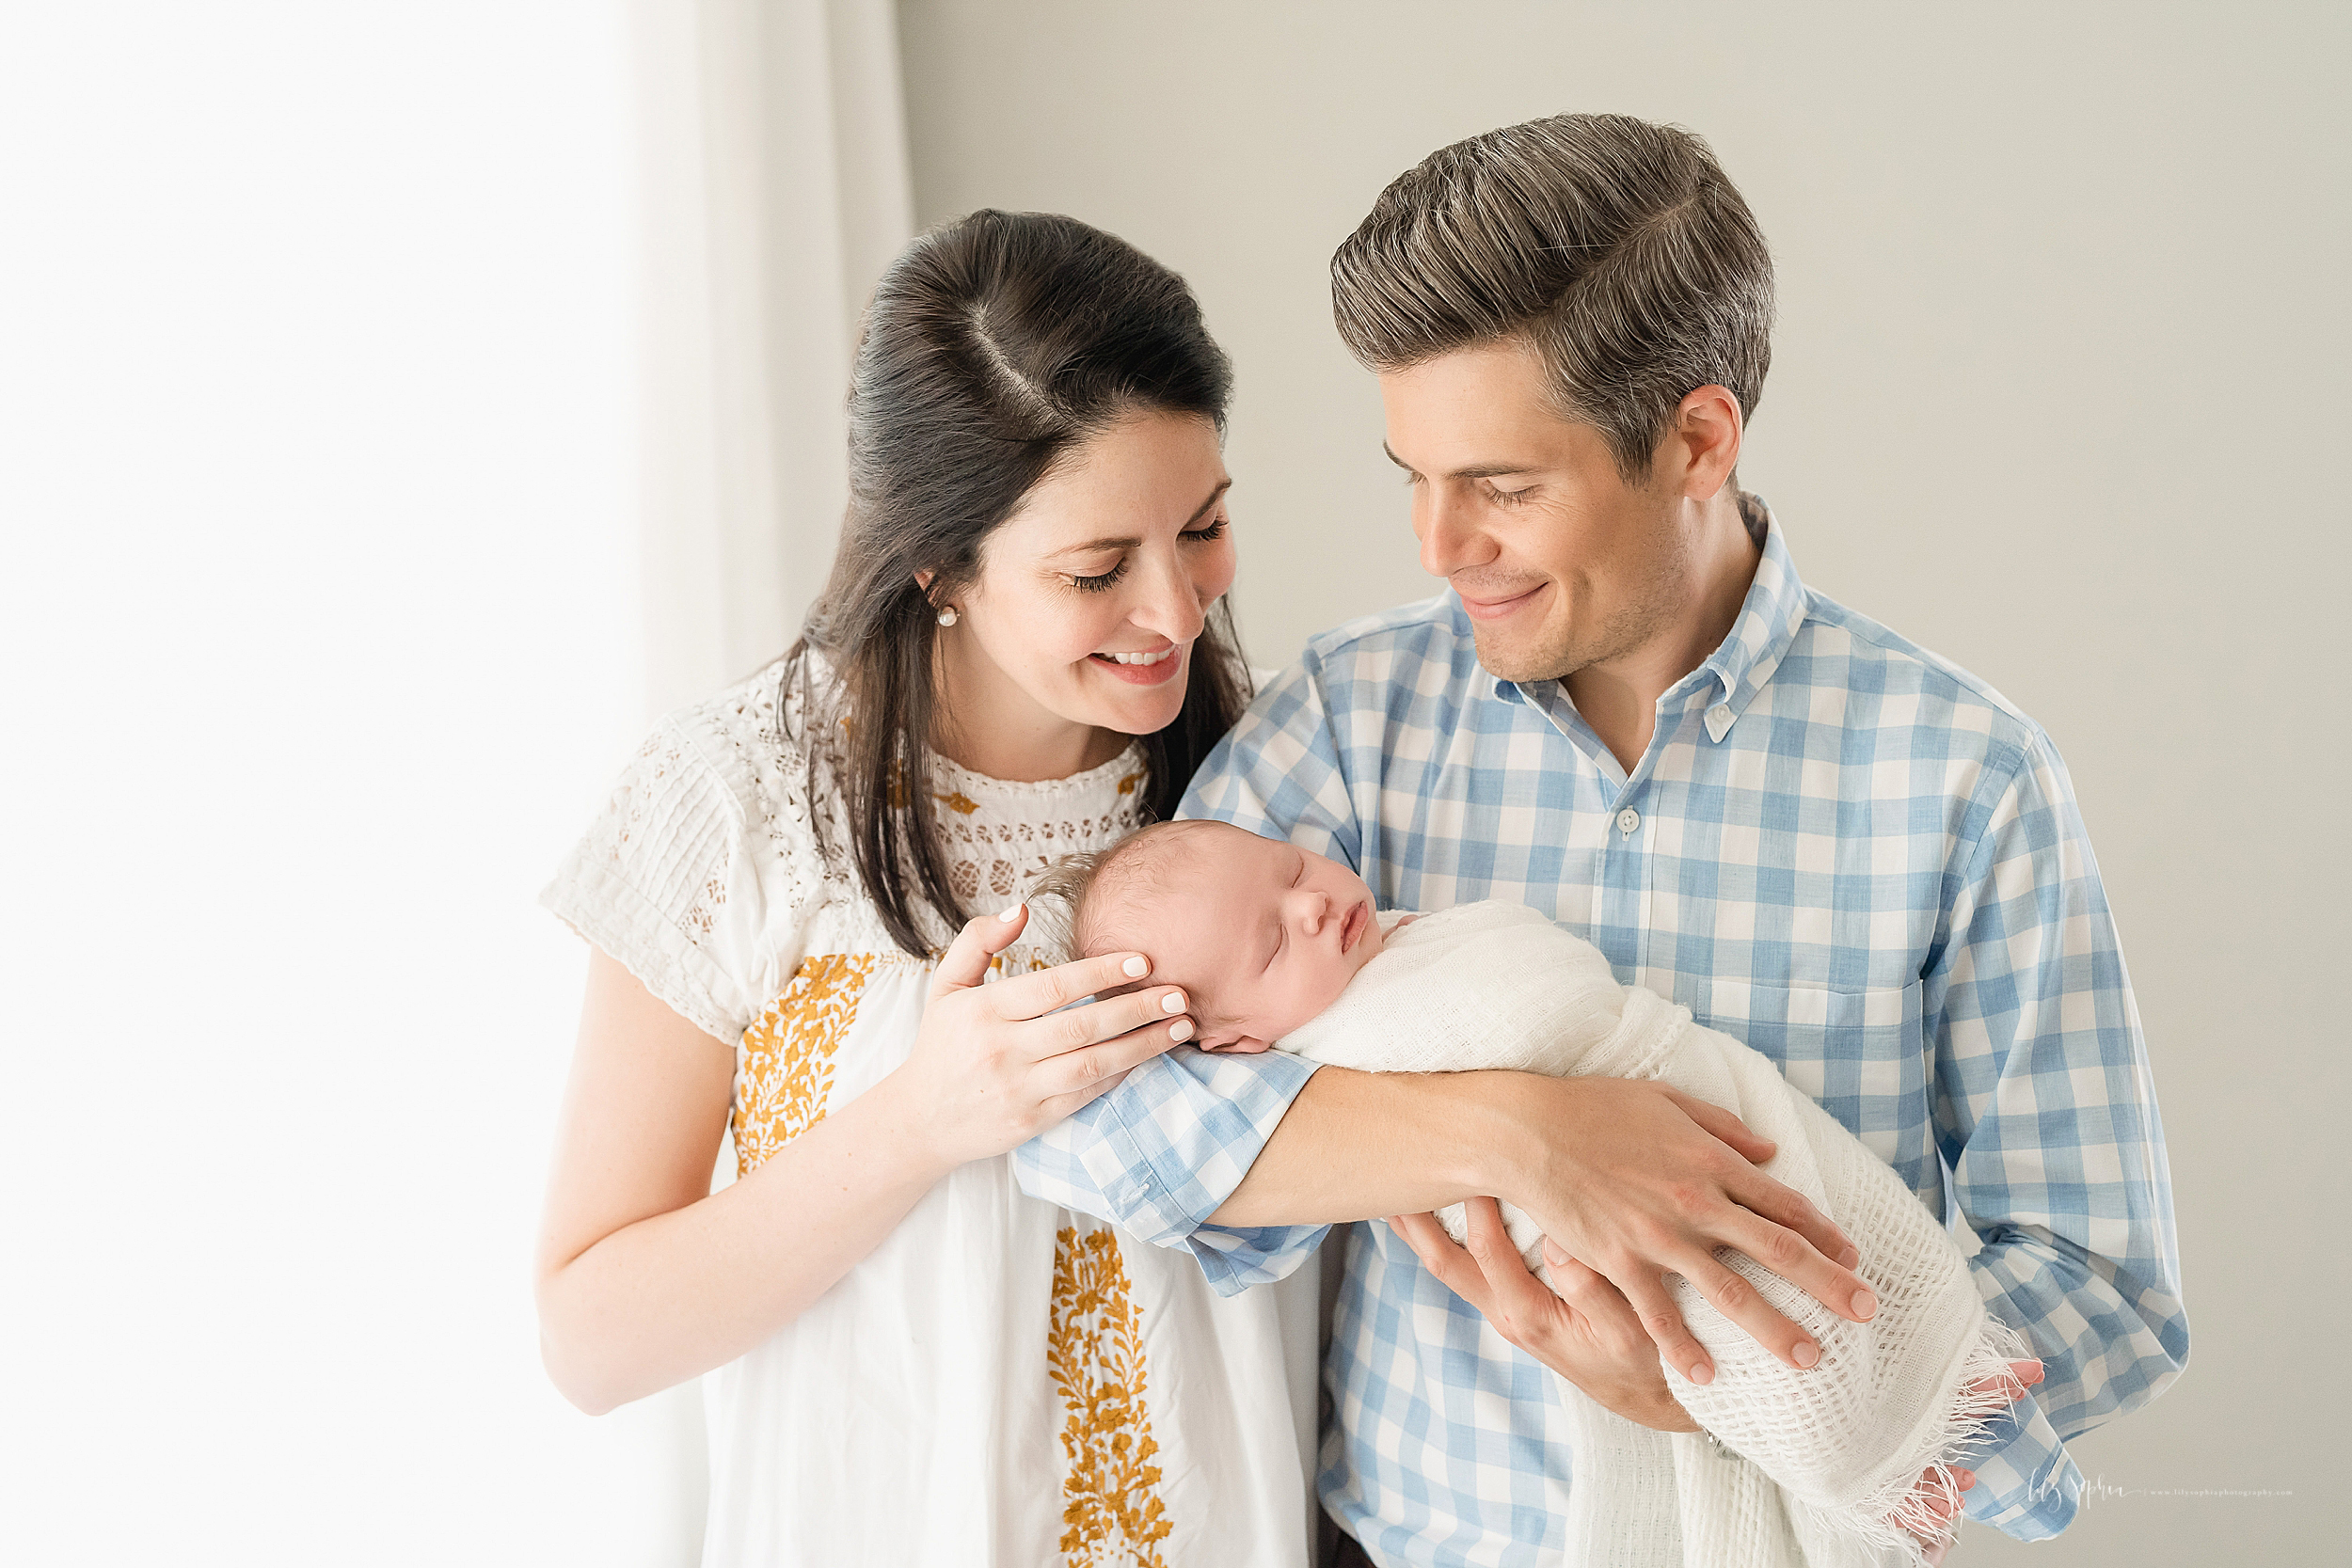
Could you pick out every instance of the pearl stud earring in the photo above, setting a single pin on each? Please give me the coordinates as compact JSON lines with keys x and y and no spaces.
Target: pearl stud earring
{"x":947,"y":616}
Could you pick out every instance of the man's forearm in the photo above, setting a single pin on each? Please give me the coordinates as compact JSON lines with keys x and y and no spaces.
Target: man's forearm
{"x":1357,"y":1146}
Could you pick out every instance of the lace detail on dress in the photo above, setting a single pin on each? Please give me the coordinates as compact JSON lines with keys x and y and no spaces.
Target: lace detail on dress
{"x":997,"y":835}
{"x":764,"y":725}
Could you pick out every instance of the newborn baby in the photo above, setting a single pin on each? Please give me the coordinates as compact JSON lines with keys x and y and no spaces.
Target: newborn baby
{"x":1276,"y":946}
{"x":1262,"y":935}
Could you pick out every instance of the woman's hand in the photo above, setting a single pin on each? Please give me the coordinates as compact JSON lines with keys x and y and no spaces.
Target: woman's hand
{"x":991,"y":1069}
{"x":1588,"y":1332}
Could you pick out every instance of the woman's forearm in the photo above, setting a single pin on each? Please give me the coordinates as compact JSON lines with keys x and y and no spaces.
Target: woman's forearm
{"x":1357,"y":1146}
{"x":675,"y":1295}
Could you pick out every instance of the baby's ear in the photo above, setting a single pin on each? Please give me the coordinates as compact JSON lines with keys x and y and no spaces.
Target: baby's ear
{"x":1234,"y":1042}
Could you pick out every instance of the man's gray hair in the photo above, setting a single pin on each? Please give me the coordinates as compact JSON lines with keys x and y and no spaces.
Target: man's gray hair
{"x":1617,"y":249}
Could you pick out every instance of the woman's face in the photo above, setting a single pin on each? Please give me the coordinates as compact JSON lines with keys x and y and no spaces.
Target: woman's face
{"x":1091,"y":596}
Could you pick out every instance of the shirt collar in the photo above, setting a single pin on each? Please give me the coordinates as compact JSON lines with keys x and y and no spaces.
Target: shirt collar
{"x":1769,"y":617}
{"x":1744,"y":661}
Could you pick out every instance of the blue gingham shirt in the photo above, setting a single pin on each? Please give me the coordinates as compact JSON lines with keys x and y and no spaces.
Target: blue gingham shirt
{"x":1848,"y":852}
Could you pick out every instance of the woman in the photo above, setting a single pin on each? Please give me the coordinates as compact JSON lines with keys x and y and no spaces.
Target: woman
{"x":794,"y":894}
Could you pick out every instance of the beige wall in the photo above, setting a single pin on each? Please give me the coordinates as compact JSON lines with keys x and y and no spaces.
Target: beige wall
{"x":2058,"y":391}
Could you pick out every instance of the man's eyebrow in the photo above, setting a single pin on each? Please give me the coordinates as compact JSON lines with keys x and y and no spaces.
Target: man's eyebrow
{"x":1476,"y":470}
{"x":1131,"y":542}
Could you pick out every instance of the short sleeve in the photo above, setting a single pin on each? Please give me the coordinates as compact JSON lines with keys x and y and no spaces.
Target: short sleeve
{"x":690,"y":880}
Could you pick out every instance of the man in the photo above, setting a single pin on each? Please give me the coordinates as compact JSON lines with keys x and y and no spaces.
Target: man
{"x":1627,"y":711}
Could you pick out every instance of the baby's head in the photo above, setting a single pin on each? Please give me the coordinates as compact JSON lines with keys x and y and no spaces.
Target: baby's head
{"x":1262,"y":935}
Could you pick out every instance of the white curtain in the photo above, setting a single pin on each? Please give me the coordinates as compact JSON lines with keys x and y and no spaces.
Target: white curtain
{"x":774,"y":191}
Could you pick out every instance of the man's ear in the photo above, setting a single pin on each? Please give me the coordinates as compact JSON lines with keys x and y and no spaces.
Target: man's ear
{"x":1702,"y":447}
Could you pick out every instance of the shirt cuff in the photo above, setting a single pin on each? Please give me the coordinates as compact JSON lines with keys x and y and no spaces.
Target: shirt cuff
{"x":1162,"y":1151}
{"x":2027,"y":1485}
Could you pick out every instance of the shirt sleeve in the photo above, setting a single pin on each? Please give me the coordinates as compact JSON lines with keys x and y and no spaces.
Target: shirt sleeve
{"x":671,"y":881}
{"x":2047,"y":1112}
{"x":1159,"y":1153}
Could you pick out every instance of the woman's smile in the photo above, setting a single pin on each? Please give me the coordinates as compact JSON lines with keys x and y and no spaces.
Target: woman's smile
{"x":1148,"y":667}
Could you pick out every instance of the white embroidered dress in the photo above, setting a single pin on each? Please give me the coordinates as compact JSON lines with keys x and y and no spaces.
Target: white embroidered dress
{"x":1001,"y":1381}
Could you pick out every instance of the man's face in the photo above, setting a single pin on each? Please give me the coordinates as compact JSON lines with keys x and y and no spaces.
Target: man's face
{"x":1560,"y":563}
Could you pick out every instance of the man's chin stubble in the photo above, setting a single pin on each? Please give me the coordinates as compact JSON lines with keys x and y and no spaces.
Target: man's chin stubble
{"x":1525,"y":666}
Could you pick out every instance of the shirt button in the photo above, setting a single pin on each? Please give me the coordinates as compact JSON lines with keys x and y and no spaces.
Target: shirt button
{"x":1629,"y":820}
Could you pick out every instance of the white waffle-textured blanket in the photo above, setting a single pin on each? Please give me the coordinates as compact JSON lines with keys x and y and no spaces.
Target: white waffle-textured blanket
{"x":1813,"y":1467}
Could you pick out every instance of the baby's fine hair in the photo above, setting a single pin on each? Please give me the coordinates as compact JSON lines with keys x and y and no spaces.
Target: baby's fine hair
{"x":1090,"y":887}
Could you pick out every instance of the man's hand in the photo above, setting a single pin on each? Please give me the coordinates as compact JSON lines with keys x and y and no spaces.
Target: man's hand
{"x":1939,"y":1492}
{"x":1940,"y":1486}
{"x":1639,"y":1181}
{"x":1588,"y":1335}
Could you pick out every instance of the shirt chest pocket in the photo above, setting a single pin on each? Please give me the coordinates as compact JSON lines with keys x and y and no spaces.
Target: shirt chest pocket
{"x":1860,"y":1055}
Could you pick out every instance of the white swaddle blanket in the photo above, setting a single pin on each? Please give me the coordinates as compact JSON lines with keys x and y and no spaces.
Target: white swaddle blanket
{"x":1813,"y":1464}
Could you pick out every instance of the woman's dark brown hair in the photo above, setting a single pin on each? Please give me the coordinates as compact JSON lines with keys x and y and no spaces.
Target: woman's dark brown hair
{"x":994,"y":347}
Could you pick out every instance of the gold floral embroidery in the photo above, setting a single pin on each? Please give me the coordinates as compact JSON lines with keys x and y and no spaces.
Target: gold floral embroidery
{"x":957,"y":802}
{"x":1111,"y":1501}
{"x":787,"y":1056}
{"x":1127,"y":784}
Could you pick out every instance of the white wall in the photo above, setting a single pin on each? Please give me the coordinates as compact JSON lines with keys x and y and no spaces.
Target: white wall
{"x":2059,"y":390}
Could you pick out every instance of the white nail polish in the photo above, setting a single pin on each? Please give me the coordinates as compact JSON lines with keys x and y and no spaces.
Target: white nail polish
{"x":1172,"y":1003}
{"x":1011,"y":915}
{"x":1136,"y":966}
{"x":1181,"y":1030}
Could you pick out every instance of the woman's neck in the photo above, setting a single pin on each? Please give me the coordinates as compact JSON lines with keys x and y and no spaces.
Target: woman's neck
{"x":992,"y":727}
{"x":993,"y":752}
